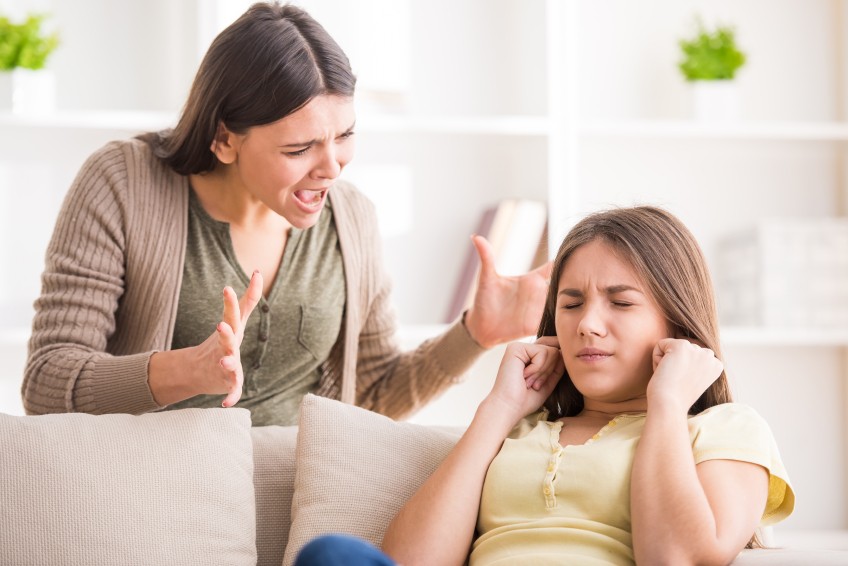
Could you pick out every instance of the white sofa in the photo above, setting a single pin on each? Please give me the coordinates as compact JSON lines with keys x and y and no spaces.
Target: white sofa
{"x":203,"y":487}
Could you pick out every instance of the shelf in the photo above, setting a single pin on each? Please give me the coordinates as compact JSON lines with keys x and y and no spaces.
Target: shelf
{"x":91,"y":120}
{"x":14,"y":336}
{"x":835,"y":539}
{"x":414,"y":334}
{"x":367,"y":122}
{"x":497,"y":125}
{"x":761,"y":336}
{"x":682,"y":129}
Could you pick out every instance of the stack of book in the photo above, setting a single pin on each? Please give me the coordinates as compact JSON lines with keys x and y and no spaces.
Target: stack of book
{"x":517,"y":231}
{"x":788,"y":273}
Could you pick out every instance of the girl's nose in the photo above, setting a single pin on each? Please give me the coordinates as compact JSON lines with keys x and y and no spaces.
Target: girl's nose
{"x":591,"y":323}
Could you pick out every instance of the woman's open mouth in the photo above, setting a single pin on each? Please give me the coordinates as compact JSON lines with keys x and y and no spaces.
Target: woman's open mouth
{"x":309,"y":200}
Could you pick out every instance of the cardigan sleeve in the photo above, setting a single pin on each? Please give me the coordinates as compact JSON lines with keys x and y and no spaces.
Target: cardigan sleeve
{"x":68,"y":369}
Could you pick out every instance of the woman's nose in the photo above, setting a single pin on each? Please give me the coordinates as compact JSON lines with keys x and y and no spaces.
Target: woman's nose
{"x":329,"y":166}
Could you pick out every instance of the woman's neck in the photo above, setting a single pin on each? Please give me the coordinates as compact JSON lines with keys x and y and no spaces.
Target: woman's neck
{"x":227,"y":201}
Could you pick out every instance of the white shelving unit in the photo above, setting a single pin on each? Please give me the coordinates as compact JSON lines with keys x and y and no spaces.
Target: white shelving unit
{"x":575,"y":102}
{"x":621,"y":134}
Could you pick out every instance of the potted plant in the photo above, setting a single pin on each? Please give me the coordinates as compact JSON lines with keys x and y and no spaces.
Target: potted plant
{"x":25,"y":84}
{"x":710,"y":61}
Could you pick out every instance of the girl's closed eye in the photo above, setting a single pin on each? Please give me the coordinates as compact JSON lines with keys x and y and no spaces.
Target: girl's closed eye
{"x":297,"y":153}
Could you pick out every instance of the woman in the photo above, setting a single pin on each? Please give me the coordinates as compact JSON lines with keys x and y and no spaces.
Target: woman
{"x":613,"y":439}
{"x":247,"y":182}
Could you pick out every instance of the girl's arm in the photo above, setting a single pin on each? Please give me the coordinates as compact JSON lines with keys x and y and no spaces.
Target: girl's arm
{"x":436,"y":526}
{"x":683,"y":513}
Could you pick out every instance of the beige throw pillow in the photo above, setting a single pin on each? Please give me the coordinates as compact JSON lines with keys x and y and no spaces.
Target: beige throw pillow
{"x":355,"y":469}
{"x":164,"y":488}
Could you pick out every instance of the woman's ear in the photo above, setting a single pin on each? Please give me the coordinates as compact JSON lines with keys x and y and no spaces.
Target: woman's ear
{"x":224,"y":145}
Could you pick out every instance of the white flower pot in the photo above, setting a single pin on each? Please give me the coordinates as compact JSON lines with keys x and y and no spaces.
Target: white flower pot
{"x":715,"y":101}
{"x":24,"y":91}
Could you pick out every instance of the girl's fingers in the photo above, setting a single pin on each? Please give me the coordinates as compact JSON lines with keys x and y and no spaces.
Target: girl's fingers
{"x":550,"y":341}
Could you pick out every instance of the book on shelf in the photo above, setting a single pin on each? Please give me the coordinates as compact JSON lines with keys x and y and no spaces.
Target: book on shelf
{"x":517,"y":231}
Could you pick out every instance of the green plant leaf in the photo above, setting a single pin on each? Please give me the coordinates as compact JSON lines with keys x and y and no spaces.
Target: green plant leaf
{"x":25,"y":45}
{"x":711,"y":55}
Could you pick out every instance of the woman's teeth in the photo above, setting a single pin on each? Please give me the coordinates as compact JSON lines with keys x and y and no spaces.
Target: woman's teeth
{"x":310,"y":197}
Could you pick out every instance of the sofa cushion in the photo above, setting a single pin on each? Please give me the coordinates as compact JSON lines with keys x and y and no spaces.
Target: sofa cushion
{"x":273,"y":482}
{"x":791,"y":557}
{"x":355,"y":469}
{"x":166,"y":488}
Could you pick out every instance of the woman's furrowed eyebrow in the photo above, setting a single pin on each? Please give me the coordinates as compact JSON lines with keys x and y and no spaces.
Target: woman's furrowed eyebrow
{"x":316,"y":140}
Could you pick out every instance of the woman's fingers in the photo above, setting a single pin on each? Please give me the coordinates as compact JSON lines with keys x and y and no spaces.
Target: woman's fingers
{"x":232,"y":315}
{"x":230,"y":363}
{"x":227,"y":338}
{"x":251,"y":296}
{"x":233,"y":397}
{"x":487,"y":257}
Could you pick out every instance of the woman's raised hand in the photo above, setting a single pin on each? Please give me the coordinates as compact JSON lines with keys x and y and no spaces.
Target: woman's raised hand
{"x":505,"y":308}
{"x":212,"y":367}
{"x":229,"y":335}
{"x":683,"y":370}
{"x":527,"y":375}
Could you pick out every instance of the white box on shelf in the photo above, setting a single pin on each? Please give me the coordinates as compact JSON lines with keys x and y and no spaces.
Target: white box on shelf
{"x":786,"y":272}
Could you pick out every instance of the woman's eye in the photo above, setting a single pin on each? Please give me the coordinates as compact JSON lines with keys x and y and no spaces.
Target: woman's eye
{"x":622,"y":304}
{"x":571,"y":306}
{"x":297,"y":153}
{"x":346,"y":135}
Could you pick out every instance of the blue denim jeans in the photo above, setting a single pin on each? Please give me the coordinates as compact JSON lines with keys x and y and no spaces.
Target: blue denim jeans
{"x":341,"y":550}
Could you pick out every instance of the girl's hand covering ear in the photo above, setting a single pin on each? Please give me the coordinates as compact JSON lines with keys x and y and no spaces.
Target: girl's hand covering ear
{"x":527,"y":375}
{"x":683,"y":370}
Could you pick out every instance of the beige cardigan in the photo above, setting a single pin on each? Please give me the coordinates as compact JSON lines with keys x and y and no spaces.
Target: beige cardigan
{"x":111,"y":284}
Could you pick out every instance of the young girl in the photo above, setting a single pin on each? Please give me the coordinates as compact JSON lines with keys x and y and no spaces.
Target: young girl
{"x":638,"y":453}
{"x":613,"y":438}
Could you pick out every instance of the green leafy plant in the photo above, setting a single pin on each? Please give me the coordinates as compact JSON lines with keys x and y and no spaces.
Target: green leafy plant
{"x":711,"y":55}
{"x":25,"y":44}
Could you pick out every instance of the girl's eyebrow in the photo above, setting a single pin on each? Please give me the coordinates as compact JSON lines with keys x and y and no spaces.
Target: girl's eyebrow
{"x":314,"y":141}
{"x":611,"y":290}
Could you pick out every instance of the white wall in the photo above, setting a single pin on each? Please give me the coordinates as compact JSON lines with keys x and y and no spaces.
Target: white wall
{"x":120,"y":55}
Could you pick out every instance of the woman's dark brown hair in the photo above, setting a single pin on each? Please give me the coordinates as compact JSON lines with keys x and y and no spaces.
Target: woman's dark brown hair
{"x":266,"y":65}
{"x":669,"y":261}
